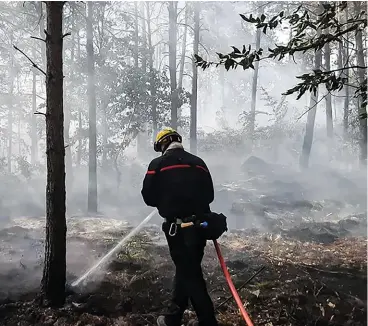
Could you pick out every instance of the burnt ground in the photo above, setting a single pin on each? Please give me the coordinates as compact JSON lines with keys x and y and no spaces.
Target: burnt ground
{"x":303,"y":283}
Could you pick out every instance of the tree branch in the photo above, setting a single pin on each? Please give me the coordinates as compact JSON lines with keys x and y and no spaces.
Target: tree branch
{"x":188,"y":26}
{"x":311,"y":108}
{"x":322,"y":40}
{"x":46,"y":33}
{"x":40,"y":113}
{"x":34,"y":65}
{"x":204,"y":48}
{"x":38,"y":38}
{"x":344,"y":68}
{"x":67,"y":34}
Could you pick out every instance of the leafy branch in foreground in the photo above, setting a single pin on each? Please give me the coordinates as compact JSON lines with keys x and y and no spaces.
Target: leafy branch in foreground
{"x":302,"y":25}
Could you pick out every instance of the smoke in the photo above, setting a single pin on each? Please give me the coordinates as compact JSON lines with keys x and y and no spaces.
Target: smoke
{"x":270,"y":194}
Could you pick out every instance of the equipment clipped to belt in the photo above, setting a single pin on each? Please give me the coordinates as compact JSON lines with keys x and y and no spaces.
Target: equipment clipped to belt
{"x":213,"y":224}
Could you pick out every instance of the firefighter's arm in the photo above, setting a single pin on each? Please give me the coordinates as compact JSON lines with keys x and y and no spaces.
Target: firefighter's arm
{"x":209,"y":191}
{"x":149,"y":190}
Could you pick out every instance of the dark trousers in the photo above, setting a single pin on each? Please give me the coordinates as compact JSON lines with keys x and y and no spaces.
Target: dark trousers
{"x":186,"y":250}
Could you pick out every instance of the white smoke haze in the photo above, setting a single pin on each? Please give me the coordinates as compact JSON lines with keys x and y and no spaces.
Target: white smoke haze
{"x":260,"y":188}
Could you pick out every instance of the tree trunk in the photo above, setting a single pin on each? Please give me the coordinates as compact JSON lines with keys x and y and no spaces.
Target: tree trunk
{"x":172,"y":62}
{"x":67,"y":108}
{"x":10,"y":112}
{"x":309,"y":129}
{"x":92,"y":161}
{"x":222,"y":85}
{"x":183,"y":49}
{"x":193,"y":104}
{"x":105,"y":135}
{"x":254,"y":89}
{"x":158,"y":56}
{"x":19,"y":129}
{"x":136,"y":35}
{"x":34,"y":146}
{"x":341,"y":58}
{"x":144,"y":38}
{"x":329,"y":121}
{"x":80,"y":126}
{"x":152,"y":74}
{"x":141,"y":137}
{"x":182,"y":57}
{"x":54,"y":273}
{"x":276,"y":145}
{"x":362,"y":109}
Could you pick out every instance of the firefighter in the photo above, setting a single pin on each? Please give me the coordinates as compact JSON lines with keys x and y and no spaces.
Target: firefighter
{"x":180,"y":186}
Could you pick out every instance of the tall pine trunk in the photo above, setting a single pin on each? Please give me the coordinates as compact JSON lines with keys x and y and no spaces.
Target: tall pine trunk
{"x":182,"y":56}
{"x":222,"y":85}
{"x":144,"y":37}
{"x":362,"y":109}
{"x":19,"y":129}
{"x":80,"y":124}
{"x":173,"y":6}
{"x":342,"y":57}
{"x":311,"y":117}
{"x":183,"y":49}
{"x":141,"y":136}
{"x":54,"y":273}
{"x":105,"y":135}
{"x":193,"y":104}
{"x":10,"y":112}
{"x":254,"y":89}
{"x":91,"y":93}
{"x":136,"y":35}
{"x":152,"y":74}
{"x":67,"y":109}
{"x":34,"y":144}
{"x":329,"y":121}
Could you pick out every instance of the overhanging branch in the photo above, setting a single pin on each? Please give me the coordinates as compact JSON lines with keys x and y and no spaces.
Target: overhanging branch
{"x":38,"y":38}
{"x":34,"y":65}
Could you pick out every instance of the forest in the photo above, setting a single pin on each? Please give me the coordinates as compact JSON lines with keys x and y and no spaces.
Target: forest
{"x":271,"y":94}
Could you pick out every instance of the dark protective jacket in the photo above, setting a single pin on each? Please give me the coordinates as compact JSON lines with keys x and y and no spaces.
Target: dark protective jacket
{"x":178,"y":184}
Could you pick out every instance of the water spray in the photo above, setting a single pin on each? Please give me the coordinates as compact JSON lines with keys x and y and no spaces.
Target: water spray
{"x":105,"y":258}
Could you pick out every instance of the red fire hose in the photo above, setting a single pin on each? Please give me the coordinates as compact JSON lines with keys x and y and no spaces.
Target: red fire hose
{"x":227,"y":276}
{"x":231,"y":285}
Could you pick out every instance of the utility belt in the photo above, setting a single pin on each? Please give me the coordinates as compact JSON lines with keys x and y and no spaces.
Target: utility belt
{"x":175,"y":221}
{"x":181,"y":220}
{"x":181,"y":223}
{"x":213,"y":225}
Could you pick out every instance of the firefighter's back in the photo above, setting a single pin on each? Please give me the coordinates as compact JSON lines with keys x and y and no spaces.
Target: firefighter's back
{"x":184,"y":184}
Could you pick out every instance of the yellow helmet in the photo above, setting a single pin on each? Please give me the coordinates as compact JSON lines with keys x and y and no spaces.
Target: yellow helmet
{"x":165,"y":134}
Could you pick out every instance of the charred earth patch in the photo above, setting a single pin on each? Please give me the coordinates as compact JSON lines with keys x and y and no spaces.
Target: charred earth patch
{"x":303,"y":283}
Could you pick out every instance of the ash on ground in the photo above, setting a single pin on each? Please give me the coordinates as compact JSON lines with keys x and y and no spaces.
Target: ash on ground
{"x":312,"y":243}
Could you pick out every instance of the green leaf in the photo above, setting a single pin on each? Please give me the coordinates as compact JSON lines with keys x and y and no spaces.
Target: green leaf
{"x":236,"y":50}
{"x":198,"y":58}
{"x":244,"y":18}
{"x":228,"y":64}
{"x":220,"y":55}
